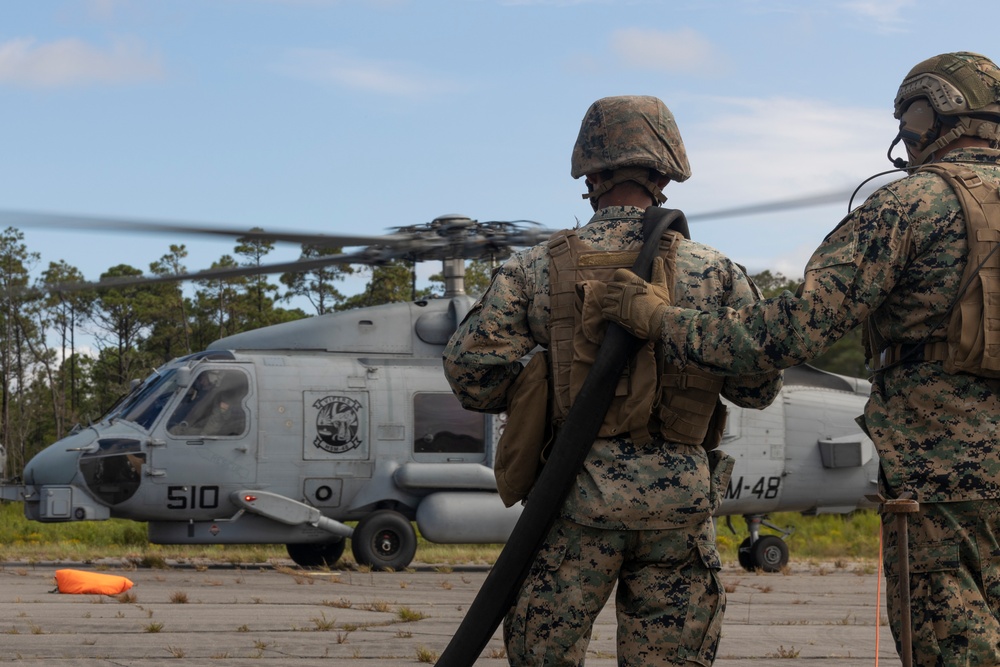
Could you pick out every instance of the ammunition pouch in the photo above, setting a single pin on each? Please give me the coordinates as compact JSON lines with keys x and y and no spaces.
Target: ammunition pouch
{"x":527,"y":432}
{"x":689,"y":409}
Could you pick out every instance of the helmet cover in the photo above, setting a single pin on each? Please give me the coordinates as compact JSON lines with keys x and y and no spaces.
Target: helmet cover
{"x":630,"y":131}
{"x":962,"y":93}
{"x":956,"y":84}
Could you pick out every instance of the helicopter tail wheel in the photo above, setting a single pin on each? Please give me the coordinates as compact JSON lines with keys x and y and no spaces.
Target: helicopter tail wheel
{"x":316,"y":555}
{"x":769,"y":553}
{"x":384,"y":540}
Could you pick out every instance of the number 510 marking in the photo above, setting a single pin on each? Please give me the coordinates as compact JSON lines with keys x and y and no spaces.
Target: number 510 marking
{"x":192,"y":497}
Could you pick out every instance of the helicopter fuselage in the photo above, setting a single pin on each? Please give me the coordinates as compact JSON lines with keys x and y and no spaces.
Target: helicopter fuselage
{"x":283,"y":434}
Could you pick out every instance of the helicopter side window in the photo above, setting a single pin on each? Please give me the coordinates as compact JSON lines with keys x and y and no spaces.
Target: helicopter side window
{"x":442,"y":425}
{"x":212,"y":405}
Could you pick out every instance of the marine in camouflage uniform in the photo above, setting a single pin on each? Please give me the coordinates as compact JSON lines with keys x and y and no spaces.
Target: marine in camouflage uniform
{"x":895,"y":266}
{"x":638,"y":516}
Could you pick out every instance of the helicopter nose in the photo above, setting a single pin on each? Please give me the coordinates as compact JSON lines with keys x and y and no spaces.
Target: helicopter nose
{"x":53,"y":473}
{"x":59,"y":462}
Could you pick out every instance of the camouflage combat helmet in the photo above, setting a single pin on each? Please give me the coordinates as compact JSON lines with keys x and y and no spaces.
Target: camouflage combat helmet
{"x":962,"y":90}
{"x":630,"y":135}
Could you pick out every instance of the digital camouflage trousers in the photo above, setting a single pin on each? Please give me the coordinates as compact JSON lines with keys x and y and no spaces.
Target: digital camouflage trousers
{"x":954,"y":583}
{"x":669,"y":602}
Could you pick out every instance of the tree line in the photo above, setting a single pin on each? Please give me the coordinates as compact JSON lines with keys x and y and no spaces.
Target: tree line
{"x":51,"y":381}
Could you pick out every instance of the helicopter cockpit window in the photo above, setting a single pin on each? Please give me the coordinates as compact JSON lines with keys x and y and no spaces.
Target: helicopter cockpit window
{"x":212,"y":405}
{"x":148,"y":400}
{"x":441,"y":425}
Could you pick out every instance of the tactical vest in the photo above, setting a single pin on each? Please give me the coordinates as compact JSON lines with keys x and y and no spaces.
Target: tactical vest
{"x":650,"y":399}
{"x":973,"y":338}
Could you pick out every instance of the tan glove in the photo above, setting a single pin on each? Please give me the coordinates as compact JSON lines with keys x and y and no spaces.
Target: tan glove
{"x":636,"y":305}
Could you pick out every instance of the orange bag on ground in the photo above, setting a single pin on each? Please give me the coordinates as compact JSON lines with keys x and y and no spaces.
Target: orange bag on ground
{"x":78,"y":581}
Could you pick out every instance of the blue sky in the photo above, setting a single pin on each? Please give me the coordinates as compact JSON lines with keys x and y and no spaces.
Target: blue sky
{"x":358,"y":116}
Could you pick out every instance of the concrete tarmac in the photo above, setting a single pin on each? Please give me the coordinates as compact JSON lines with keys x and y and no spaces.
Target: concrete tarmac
{"x":201,"y":615}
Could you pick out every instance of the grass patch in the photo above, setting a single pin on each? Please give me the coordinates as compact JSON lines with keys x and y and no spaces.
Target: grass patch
{"x":426,"y":655}
{"x":832,"y":537}
{"x":825,"y":537}
{"x":408,"y":615}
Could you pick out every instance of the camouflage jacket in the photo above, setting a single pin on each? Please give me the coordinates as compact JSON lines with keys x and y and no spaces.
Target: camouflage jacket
{"x":895,"y":263}
{"x":621,"y":486}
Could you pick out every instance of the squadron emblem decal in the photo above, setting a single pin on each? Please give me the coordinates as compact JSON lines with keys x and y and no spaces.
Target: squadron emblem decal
{"x":337,"y":424}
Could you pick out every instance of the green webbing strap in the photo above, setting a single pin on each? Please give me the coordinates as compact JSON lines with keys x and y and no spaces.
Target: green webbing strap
{"x":573,"y":442}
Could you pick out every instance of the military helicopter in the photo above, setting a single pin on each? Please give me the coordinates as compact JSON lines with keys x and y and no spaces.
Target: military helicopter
{"x":288,"y":433}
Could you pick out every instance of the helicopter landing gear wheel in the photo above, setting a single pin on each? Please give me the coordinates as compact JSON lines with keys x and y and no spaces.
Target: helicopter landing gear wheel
{"x":769,"y":553}
{"x":317,"y":555}
{"x":745,"y":556}
{"x":384,"y":540}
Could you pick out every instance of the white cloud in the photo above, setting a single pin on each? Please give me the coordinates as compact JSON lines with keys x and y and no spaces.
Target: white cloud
{"x":384,"y":77}
{"x":104,"y":9}
{"x":378,"y":4}
{"x":887,"y":15}
{"x":84,"y":349}
{"x":553,"y":3}
{"x":784,"y":147}
{"x":684,"y":51}
{"x":746,"y":151}
{"x":73,"y":62}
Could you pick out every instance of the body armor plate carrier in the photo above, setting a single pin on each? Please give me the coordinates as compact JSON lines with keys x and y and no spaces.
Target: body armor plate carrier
{"x":651,"y":399}
{"x":973,"y":337}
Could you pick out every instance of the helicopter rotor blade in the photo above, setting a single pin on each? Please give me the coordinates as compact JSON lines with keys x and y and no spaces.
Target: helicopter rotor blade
{"x":41,"y":220}
{"x":446,"y":237}
{"x":808,"y":201}
{"x":219,"y":273}
{"x":487,"y":239}
{"x":403,"y":236}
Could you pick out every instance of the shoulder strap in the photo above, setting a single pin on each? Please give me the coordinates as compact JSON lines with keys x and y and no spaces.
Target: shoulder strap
{"x":674,"y":218}
{"x":655,"y":223}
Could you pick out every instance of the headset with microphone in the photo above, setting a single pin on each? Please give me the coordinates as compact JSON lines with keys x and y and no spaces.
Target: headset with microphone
{"x":919,"y":128}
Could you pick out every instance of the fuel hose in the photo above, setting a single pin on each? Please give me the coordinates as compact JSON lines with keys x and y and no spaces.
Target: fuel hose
{"x":499,"y":590}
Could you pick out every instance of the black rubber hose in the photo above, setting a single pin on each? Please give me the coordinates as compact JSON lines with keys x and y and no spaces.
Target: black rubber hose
{"x":573,"y":442}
